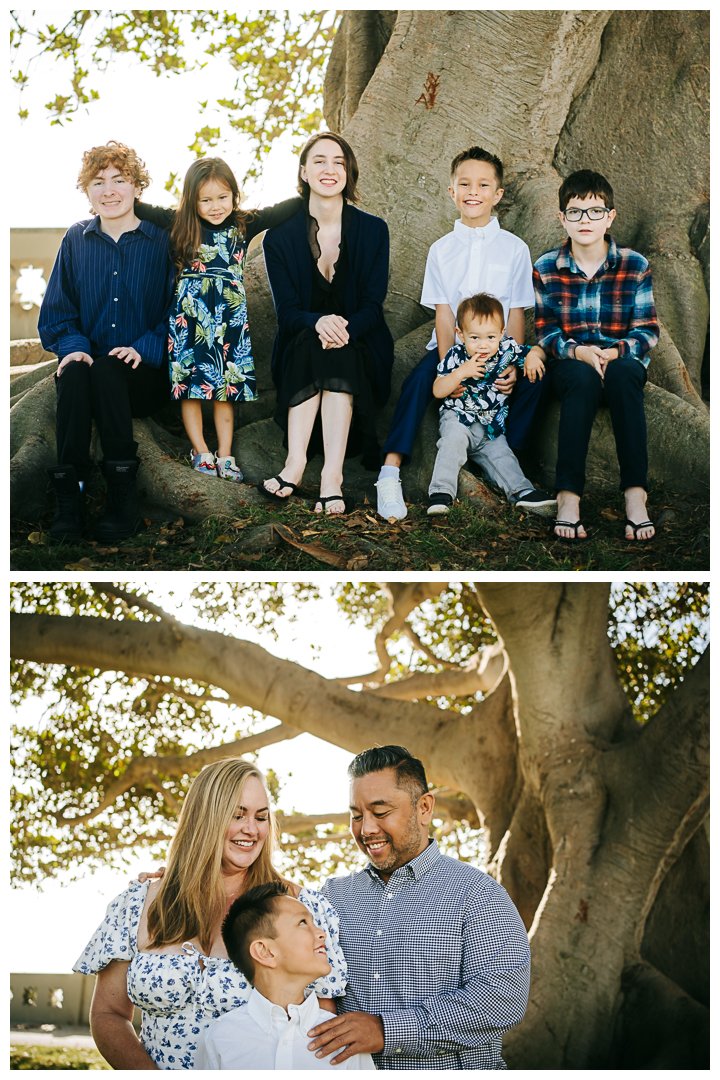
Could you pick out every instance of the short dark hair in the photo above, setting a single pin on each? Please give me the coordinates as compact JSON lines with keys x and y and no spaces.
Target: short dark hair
{"x":584,"y":182}
{"x":352,"y":169}
{"x":251,"y":916}
{"x":409,"y":771}
{"x":476,"y":153}
{"x":482,"y":306}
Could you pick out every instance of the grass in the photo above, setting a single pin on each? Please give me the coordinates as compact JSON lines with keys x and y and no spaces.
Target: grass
{"x":55,"y":1057}
{"x":464,"y":539}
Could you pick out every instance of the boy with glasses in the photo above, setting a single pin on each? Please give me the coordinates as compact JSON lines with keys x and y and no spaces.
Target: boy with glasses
{"x":595,"y":318}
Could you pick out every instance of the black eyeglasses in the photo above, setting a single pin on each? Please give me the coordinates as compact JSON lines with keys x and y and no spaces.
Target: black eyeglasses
{"x":594,"y":213}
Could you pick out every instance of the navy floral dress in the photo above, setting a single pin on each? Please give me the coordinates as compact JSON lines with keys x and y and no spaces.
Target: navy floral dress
{"x":209,"y":342}
{"x":209,"y":338}
{"x":180,"y":994}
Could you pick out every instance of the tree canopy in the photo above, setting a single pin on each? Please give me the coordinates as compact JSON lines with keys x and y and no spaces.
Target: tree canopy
{"x":279,"y":56}
{"x":106,"y":769}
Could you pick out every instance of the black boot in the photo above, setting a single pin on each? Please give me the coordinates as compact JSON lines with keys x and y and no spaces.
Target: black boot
{"x":71,"y":513}
{"x":122,"y":514}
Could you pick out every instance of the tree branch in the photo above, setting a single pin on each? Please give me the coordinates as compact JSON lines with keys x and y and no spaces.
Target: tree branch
{"x":402,"y":600}
{"x":142,"y":768}
{"x":131,"y":600}
{"x":480,"y":675}
{"x":485,"y":769}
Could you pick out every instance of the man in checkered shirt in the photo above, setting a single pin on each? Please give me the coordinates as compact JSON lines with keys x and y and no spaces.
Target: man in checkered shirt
{"x":438,"y":957}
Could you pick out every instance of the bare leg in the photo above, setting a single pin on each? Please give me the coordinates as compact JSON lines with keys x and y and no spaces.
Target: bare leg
{"x":568,"y":510}
{"x":300,"y":424}
{"x":224,"y":416}
{"x":393,"y":459}
{"x":636,"y":510}
{"x":336,"y":412}
{"x":192,"y":419}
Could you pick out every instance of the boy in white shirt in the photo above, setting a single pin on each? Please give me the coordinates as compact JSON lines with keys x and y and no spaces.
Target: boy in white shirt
{"x":273,"y":940}
{"x":476,"y":257}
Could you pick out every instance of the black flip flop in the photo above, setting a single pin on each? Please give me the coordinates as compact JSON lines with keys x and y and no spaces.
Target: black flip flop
{"x":273,"y":494}
{"x":568,"y":525}
{"x":325,"y":499}
{"x":634,"y":527}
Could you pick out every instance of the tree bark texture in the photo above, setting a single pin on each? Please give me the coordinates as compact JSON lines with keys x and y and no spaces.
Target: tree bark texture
{"x":593,"y":822}
{"x":624,"y":92}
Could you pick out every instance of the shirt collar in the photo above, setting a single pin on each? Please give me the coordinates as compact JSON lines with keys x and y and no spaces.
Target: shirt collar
{"x":484,"y":233}
{"x":565,"y":260}
{"x":143,"y":226}
{"x":263,"y":1011}
{"x":413,"y":869}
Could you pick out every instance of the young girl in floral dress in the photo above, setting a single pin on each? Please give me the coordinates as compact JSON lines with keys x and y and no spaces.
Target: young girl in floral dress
{"x":209,"y":341}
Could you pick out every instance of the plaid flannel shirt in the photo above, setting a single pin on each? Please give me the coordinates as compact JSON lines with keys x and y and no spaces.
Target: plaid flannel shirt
{"x":614,"y":308}
{"x":440,"y":953}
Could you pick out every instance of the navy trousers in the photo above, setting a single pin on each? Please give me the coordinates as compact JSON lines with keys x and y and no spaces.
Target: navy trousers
{"x":581,"y":392}
{"x":111,"y":393}
{"x":416,"y":394}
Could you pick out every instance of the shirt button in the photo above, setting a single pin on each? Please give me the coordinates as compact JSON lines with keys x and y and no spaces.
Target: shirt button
{"x":377,"y":976}
{"x":399,"y":1051}
{"x":379,"y":933}
{"x":390,"y":896}
{"x":113,"y":326}
{"x":115,"y":299}
{"x":114,"y":273}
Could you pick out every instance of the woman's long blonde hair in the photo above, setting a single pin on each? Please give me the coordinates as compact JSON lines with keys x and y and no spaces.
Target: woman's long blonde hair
{"x":191,"y":898}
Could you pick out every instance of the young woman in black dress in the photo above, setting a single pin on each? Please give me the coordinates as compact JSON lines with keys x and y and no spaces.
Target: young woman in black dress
{"x":333,"y":352}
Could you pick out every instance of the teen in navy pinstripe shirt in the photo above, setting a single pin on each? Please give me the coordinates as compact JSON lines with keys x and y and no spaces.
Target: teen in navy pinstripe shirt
{"x":105,"y":317}
{"x":438,"y":957}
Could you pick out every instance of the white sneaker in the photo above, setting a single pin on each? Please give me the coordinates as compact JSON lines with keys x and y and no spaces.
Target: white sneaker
{"x":390,"y":502}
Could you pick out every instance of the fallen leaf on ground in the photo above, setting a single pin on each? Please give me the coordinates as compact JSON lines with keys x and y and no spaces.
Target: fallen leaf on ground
{"x":504,"y":536}
{"x":82,"y":564}
{"x":358,"y":563}
{"x":148,"y":522}
{"x":106,"y":551}
{"x":38,"y":538}
{"x":610,"y":514}
{"x":224,"y":539}
{"x":317,"y":551}
{"x":178,"y":524}
{"x":434,"y":565}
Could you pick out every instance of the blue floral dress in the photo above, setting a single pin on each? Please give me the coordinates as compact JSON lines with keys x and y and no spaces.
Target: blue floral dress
{"x":179,"y":997}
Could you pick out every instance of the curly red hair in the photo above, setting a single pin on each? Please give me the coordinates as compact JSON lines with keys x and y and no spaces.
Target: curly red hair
{"x":124,"y":158}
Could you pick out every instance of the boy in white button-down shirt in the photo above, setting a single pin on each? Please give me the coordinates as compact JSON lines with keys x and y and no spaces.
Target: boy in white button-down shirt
{"x":476,"y":257}
{"x":273,"y":940}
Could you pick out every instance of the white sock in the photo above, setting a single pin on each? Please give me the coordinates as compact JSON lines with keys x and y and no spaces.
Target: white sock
{"x":389,"y":470}
{"x":522,"y":494}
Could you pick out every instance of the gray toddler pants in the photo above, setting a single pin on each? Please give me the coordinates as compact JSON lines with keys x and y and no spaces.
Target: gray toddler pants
{"x":458,"y":442}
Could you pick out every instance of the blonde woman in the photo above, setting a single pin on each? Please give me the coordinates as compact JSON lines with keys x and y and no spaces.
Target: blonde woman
{"x":160,"y":946}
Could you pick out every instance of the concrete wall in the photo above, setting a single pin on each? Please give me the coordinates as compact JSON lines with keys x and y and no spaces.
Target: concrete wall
{"x":35,"y":999}
{"x":30,"y":247}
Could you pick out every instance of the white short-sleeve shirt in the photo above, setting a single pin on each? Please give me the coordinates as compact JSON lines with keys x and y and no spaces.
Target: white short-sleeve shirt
{"x":469,"y":261}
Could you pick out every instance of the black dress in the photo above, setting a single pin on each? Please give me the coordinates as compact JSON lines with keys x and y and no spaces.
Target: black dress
{"x":346,"y":370}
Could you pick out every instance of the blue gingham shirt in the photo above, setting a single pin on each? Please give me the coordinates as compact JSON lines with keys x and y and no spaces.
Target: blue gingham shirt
{"x":103,"y":294}
{"x":440,"y":953}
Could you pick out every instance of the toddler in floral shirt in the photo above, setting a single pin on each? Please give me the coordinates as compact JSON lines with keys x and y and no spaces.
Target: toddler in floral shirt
{"x":473,"y":425}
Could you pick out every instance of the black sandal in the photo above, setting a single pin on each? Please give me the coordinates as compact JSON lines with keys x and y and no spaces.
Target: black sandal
{"x":273,"y":494}
{"x":634,"y":527}
{"x":325,"y":499}
{"x":568,"y":525}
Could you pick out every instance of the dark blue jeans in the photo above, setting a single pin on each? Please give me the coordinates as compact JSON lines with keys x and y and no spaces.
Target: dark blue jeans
{"x":581,"y":392}
{"x":416,"y":394}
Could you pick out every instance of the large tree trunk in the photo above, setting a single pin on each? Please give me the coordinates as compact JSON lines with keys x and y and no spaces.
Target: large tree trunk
{"x":625,"y":93}
{"x":593,"y":822}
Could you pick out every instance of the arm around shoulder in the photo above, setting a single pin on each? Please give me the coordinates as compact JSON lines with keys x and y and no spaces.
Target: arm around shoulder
{"x":161,"y":216}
